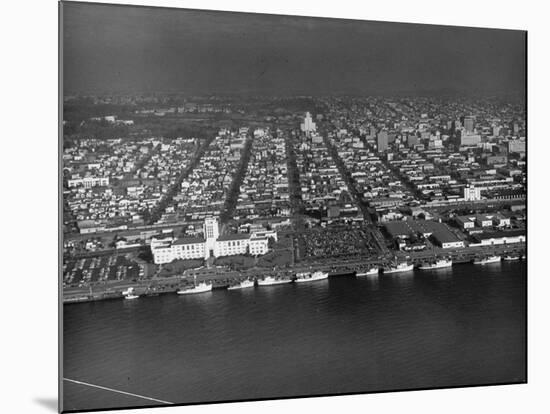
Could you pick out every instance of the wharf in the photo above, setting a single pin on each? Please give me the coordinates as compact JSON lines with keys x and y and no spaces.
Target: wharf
{"x":222,"y":277}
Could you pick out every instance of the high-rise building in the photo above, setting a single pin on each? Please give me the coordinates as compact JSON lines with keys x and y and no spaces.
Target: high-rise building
{"x":469,"y":123}
{"x":382,"y":141}
{"x":308,"y":126}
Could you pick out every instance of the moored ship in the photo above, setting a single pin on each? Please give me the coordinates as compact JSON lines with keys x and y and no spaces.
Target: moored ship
{"x":400,"y":267}
{"x":310,"y":277}
{"x":511,"y":257}
{"x":242,"y":285}
{"x":200,"y":288}
{"x":369,"y":272}
{"x":438,"y":264}
{"x":487,"y":260}
{"x":270,"y":280}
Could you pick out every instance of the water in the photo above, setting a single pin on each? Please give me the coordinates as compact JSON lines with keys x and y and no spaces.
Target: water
{"x":448,"y":327}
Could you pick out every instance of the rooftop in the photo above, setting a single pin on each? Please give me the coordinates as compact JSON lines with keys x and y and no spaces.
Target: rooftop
{"x":189,"y":240}
{"x":235,"y":236}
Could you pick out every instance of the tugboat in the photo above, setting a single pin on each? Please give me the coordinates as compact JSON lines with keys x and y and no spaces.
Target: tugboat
{"x":369,"y":272}
{"x":487,"y":260}
{"x":129,"y":294}
{"x":310,"y":277}
{"x":242,"y":285}
{"x":438,"y":264}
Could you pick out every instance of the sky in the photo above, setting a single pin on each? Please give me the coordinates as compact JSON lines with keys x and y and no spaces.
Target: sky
{"x":127,"y":49}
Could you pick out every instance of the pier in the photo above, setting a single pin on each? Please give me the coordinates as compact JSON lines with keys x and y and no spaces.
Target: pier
{"x":223,"y":277}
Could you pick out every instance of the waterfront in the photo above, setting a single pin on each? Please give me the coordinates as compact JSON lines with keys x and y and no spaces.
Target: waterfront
{"x":449,"y":327}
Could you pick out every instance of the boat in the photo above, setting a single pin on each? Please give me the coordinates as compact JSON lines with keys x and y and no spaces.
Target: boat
{"x":401,"y":267}
{"x":510,"y":258}
{"x":129,"y":294}
{"x":200,"y":288}
{"x":438,"y":264}
{"x":370,"y":272}
{"x":310,"y":277}
{"x":270,"y":280}
{"x":242,"y":285}
{"x":488,"y":259}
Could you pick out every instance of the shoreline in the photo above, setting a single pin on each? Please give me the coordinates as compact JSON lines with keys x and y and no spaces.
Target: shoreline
{"x":221,"y":278}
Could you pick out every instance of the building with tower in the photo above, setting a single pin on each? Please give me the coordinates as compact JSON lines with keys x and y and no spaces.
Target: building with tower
{"x":165,"y":249}
{"x":472,"y":193}
{"x":308,"y":126}
{"x":211,"y":231}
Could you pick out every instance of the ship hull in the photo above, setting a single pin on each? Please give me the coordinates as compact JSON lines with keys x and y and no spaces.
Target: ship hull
{"x":371,"y":272}
{"x":432,"y":266}
{"x":489,"y":260}
{"x":316,"y":276}
{"x":273,"y":282}
{"x":391,"y":270}
{"x":242,"y":285}
{"x":197,"y":289}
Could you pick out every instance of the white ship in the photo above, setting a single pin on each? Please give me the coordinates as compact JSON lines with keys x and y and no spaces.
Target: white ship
{"x":242,"y":285}
{"x":510,"y":258}
{"x":370,"y":272}
{"x":401,"y":267}
{"x":310,"y":277}
{"x":270,"y":280}
{"x":438,"y":264}
{"x":488,"y":259}
{"x":129,"y":294}
{"x":200,"y":288}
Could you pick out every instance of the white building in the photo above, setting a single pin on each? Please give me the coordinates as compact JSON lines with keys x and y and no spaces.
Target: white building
{"x":472,"y":193}
{"x":167,"y":249}
{"x":466,"y":222}
{"x":308,"y":126}
{"x":517,"y":145}
{"x":88,"y":182}
{"x":469,"y":139}
{"x":502,"y":238}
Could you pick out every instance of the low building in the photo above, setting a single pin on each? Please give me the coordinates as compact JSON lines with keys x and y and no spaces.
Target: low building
{"x":499,"y":220}
{"x":446,"y":238}
{"x":88,"y":182}
{"x":465,"y":222}
{"x":499,"y":238}
{"x":484,"y":221}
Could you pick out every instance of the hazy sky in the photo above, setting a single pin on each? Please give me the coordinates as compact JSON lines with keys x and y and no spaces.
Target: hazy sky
{"x":136,"y":49}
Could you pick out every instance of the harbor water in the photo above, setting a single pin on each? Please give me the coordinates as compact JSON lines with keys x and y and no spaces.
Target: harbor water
{"x":457,"y":326}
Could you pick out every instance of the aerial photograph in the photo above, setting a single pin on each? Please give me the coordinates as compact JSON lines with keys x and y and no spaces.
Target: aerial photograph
{"x":264,"y":206}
